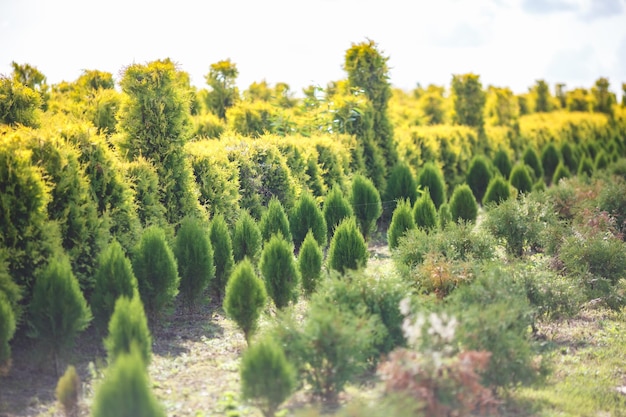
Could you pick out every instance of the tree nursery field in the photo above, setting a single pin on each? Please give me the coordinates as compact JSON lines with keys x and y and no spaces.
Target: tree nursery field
{"x":356,"y":250}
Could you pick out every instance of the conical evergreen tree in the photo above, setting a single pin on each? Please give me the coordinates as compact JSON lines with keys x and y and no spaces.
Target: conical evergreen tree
{"x":463,"y":205}
{"x":425,"y":213}
{"x":347,"y":248}
{"x":128,"y":329}
{"x":310,"y":264}
{"x":279,"y":271}
{"x":274,"y":220}
{"x":306,"y":215}
{"x":366,"y":204}
{"x":336,"y":208}
{"x":222,"y":254}
{"x":401,"y":221}
{"x":246,"y":238}
{"x":430,"y":177}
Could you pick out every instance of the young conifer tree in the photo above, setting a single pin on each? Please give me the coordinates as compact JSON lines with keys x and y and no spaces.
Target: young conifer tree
{"x":336,"y":208}
{"x":463,"y":205}
{"x":401,"y":221}
{"x":68,"y":392}
{"x":114,"y":278}
{"x":310,"y":264}
{"x":400,"y":185}
{"x":246,"y":239}
{"x":222,"y":254}
{"x":128,"y":329}
{"x":366,"y":204}
{"x":521,"y":179}
{"x":347,"y":248}
{"x":430,"y":177}
{"x":425,"y":213}
{"x":245,"y":298}
{"x":194,"y":256}
{"x":478,"y":176}
{"x":274,"y":220}
{"x":306,"y":215}
{"x":156,"y":270}
{"x":502,"y":162}
{"x":498,"y":190}
{"x":279,"y":271}
{"x":7,"y":328}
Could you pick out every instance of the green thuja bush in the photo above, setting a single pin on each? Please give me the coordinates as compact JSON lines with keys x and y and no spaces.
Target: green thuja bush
{"x":68,"y":392}
{"x":310,"y":264}
{"x":550,"y":159}
{"x":478,"y":176}
{"x":7,"y":329}
{"x":336,"y":208}
{"x":144,"y":182}
{"x":194,"y":256}
{"x":498,"y":190}
{"x":366,"y":204}
{"x":569,"y":157}
{"x":347,"y":248}
{"x":585,"y":167}
{"x":267,"y":378}
{"x":502,"y":162}
{"x":400,"y":185}
{"x":8,"y":288}
{"x":222,"y":254}
{"x":306,"y":215}
{"x":245,"y":298}
{"x":114,"y":278}
{"x":531,"y":159}
{"x":156,"y":270}
{"x":128,"y":329}
{"x":430,"y":177}
{"x":279,"y":271}
{"x":246,"y":239}
{"x":20,"y":104}
{"x":425,"y":213}
{"x":58,"y":310}
{"x":126,"y":391}
{"x":560,"y":172}
{"x":401,"y":221}
{"x":444,"y":215}
{"x":521,"y":179}
{"x":463,"y":205}
{"x":601,"y":161}
{"x":274,"y":220}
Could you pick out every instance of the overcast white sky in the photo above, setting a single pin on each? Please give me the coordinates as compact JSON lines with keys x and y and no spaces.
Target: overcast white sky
{"x":302,"y":42}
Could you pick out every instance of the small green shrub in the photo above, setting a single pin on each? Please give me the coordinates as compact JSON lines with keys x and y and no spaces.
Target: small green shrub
{"x":478,"y":176}
{"x":430,"y":177}
{"x":306,"y":215}
{"x":68,"y":392}
{"x":194,"y":256}
{"x":400,"y":185}
{"x":585,"y":167}
{"x":560,"y":172}
{"x":612,"y":199}
{"x":531,"y":159}
{"x":279,"y":271}
{"x":246,"y":239}
{"x":274,"y":220}
{"x":425,"y":212}
{"x":222,"y":254}
{"x":58,"y":309}
{"x":126,"y":390}
{"x":444,"y":215}
{"x":7,"y":329}
{"x":156,"y":271}
{"x":336,"y":208}
{"x":245,"y":298}
{"x":401,"y":221}
{"x":521,"y":179}
{"x":498,"y":190}
{"x":569,"y":158}
{"x":266,"y":376}
{"x":502,"y":162}
{"x":128,"y":329}
{"x":366,"y":204}
{"x":310,"y":264}
{"x":463,"y":205}
{"x":601,"y":161}
{"x":347,"y":248}
{"x":550,"y":159}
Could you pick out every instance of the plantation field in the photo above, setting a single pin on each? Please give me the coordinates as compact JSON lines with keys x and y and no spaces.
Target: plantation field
{"x":360,"y":250}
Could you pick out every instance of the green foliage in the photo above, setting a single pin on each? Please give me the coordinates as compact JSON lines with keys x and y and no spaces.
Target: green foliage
{"x":68,"y":391}
{"x":58,"y":311}
{"x":401,"y":221}
{"x":569,"y":158}
{"x":463,"y":205}
{"x":252,"y":119}
{"x":550,"y":159}
{"x":222,"y":254}
{"x":531,"y":159}
{"x":430,"y":177}
{"x":266,"y":376}
{"x":425,"y":213}
{"x":347,"y":247}
{"x":306,"y":215}
{"x":194,"y":256}
{"x":18,"y":103}
{"x":612,"y":199}
{"x":114,"y":278}
{"x":401,"y":184}
{"x":498,"y":190}
{"x":601,"y":161}
{"x":279,"y":271}
{"x":126,"y":390}
{"x":521,"y":179}
{"x":274,"y":220}
{"x":246,"y":239}
{"x":156,"y":270}
{"x":310,"y":264}
{"x":585,"y":167}
{"x":128,"y":330}
{"x":245,"y":298}
{"x":444,"y":215}
{"x":478,"y":176}
{"x":366,"y":204}
{"x":469,"y":100}
{"x":223,"y":92}
{"x":541,"y":92}
{"x":502,"y":162}
{"x":155,"y":123}
{"x":560,"y":172}
{"x":336,"y":209}
{"x":144,"y":182}
{"x":7,"y":328}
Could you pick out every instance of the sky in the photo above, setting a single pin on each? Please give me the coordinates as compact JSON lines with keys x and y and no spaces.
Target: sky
{"x":508,"y":43}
